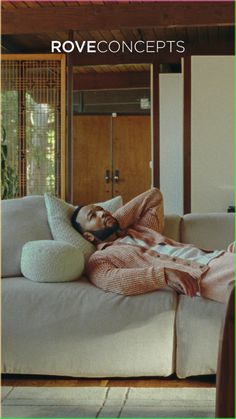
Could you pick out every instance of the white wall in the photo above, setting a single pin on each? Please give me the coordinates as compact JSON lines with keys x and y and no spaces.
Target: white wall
{"x":171,"y":142}
{"x":212,"y":133}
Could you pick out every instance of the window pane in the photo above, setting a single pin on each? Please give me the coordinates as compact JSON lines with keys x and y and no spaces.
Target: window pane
{"x":31,"y":125}
{"x":40,"y":146}
{"x":122,"y":101}
{"x":9,"y":132}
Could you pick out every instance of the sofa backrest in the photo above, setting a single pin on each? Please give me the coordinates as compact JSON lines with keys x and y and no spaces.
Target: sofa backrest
{"x":23,"y":220}
{"x":208,"y":230}
{"x":172,"y":226}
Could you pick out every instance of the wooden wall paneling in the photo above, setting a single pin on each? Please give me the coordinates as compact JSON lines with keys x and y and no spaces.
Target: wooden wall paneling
{"x":84,"y":59}
{"x":63,"y":129}
{"x":69,"y":119}
{"x":131,"y":155}
{"x":92,"y":157}
{"x":26,"y":57}
{"x":119,"y":80}
{"x":187,"y":134}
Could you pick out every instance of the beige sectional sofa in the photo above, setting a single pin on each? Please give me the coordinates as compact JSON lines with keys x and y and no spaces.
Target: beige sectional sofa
{"x":75,"y":329}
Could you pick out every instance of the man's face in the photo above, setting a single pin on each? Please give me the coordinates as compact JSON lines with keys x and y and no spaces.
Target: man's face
{"x":93,"y":218}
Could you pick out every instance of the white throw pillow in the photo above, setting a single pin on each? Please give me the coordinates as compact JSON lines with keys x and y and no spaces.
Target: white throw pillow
{"x":112,"y":205}
{"x":59,"y":218}
{"x":51,"y":261}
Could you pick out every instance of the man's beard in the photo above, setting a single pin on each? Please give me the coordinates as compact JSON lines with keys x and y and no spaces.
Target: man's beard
{"x":104,"y":233}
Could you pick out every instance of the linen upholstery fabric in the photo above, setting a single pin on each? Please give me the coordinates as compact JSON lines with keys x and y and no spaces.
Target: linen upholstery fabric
{"x":75,"y":329}
{"x":198,"y":325}
{"x":51,"y":261}
{"x":212,"y":230}
{"x":172,"y":227}
{"x":112,"y":204}
{"x":59,"y":218}
{"x":71,"y":328}
{"x":23,"y":220}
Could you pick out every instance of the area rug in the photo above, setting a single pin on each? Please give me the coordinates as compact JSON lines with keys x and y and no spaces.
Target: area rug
{"x":111,"y":402}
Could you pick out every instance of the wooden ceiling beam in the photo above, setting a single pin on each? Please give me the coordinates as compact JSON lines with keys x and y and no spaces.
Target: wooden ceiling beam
{"x":214,"y":48}
{"x":9,"y":46}
{"x":124,"y":58}
{"x":117,"y":16}
{"x":119,"y":80}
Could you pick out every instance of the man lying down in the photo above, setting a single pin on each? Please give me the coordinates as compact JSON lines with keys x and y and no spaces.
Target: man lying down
{"x":133,"y":257}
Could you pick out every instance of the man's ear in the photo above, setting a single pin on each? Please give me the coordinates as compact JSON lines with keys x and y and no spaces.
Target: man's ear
{"x":90,"y":237}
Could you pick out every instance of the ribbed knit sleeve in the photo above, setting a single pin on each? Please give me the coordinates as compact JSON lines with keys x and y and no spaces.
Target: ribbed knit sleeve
{"x":145,"y":209}
{"x":127,"y":281}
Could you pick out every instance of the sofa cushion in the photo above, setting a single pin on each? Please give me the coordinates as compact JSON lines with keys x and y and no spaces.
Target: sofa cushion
{"x":172,"y":226}
{"x":76,"y":329}
{"x":51,"y":261}
{"x":23,"y":220}
{"x":59,"y":218}
{"x":198,"y":325}
{"x":112,"y":204}
{"x":211,"y":230}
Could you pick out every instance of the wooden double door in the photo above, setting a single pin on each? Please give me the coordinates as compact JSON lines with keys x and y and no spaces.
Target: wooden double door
{"x":111,"y":157}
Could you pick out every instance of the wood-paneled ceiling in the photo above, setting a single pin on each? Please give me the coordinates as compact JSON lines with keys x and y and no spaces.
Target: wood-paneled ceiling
{"x":206,"y":27}
{"x":41,"y":42}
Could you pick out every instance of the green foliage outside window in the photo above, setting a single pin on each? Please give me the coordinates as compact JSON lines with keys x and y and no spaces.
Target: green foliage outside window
{"x":40,"y":144}
{"x":9,"y":178}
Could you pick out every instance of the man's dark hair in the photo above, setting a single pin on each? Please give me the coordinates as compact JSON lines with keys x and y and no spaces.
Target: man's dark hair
{"x":75,"y":223}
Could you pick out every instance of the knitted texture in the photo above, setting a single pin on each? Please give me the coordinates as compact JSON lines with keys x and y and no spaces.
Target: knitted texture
{"x":51,"y":261}
{"x":125,"y":272}
{"x":59,"y":218}
{"x":126,"y":269}
{"x":130,"y":269}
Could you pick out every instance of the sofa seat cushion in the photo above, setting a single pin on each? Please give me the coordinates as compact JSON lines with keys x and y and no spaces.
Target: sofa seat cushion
{"x":198,"y":325}
{"x":23,"y":220}
{"x":210,"y":231}
{"x":76,"y":329}
{"x":51,"y":261}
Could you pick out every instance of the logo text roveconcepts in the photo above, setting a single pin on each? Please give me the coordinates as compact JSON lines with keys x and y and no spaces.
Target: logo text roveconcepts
{"x":114,"y":47}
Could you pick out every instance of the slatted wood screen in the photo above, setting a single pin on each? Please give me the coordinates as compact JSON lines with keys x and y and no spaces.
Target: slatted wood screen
{"x":33,"y":121}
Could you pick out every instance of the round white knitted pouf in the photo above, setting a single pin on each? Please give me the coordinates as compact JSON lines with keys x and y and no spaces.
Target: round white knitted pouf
{"x":51,"y":261}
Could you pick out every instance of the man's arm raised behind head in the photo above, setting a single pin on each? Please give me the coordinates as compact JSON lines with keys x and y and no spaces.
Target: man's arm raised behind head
{"x":145,"y":209}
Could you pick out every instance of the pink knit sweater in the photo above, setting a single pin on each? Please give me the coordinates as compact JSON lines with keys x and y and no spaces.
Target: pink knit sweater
{"x":129,"y":269}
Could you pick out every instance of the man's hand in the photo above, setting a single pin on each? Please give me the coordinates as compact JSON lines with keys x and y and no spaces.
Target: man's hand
{"x":181,"y":282}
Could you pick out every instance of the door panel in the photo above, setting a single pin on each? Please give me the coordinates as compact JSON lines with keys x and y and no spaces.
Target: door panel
{"x":92,"y":157}
{"x":131,"y":155}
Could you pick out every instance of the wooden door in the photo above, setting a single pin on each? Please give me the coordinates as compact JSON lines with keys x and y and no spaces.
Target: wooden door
{"x":92,"y":158}
{"x":131,"y":155}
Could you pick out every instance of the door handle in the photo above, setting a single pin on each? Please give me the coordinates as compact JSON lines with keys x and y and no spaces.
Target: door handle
{"x":107,"y":176}
{"x":116,"y":177}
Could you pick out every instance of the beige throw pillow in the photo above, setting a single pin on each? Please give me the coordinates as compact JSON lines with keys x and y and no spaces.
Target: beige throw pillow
{"x":59,"y":218}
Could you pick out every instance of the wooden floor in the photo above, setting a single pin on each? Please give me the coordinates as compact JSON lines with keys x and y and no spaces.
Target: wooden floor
{"x":52,"y":381}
